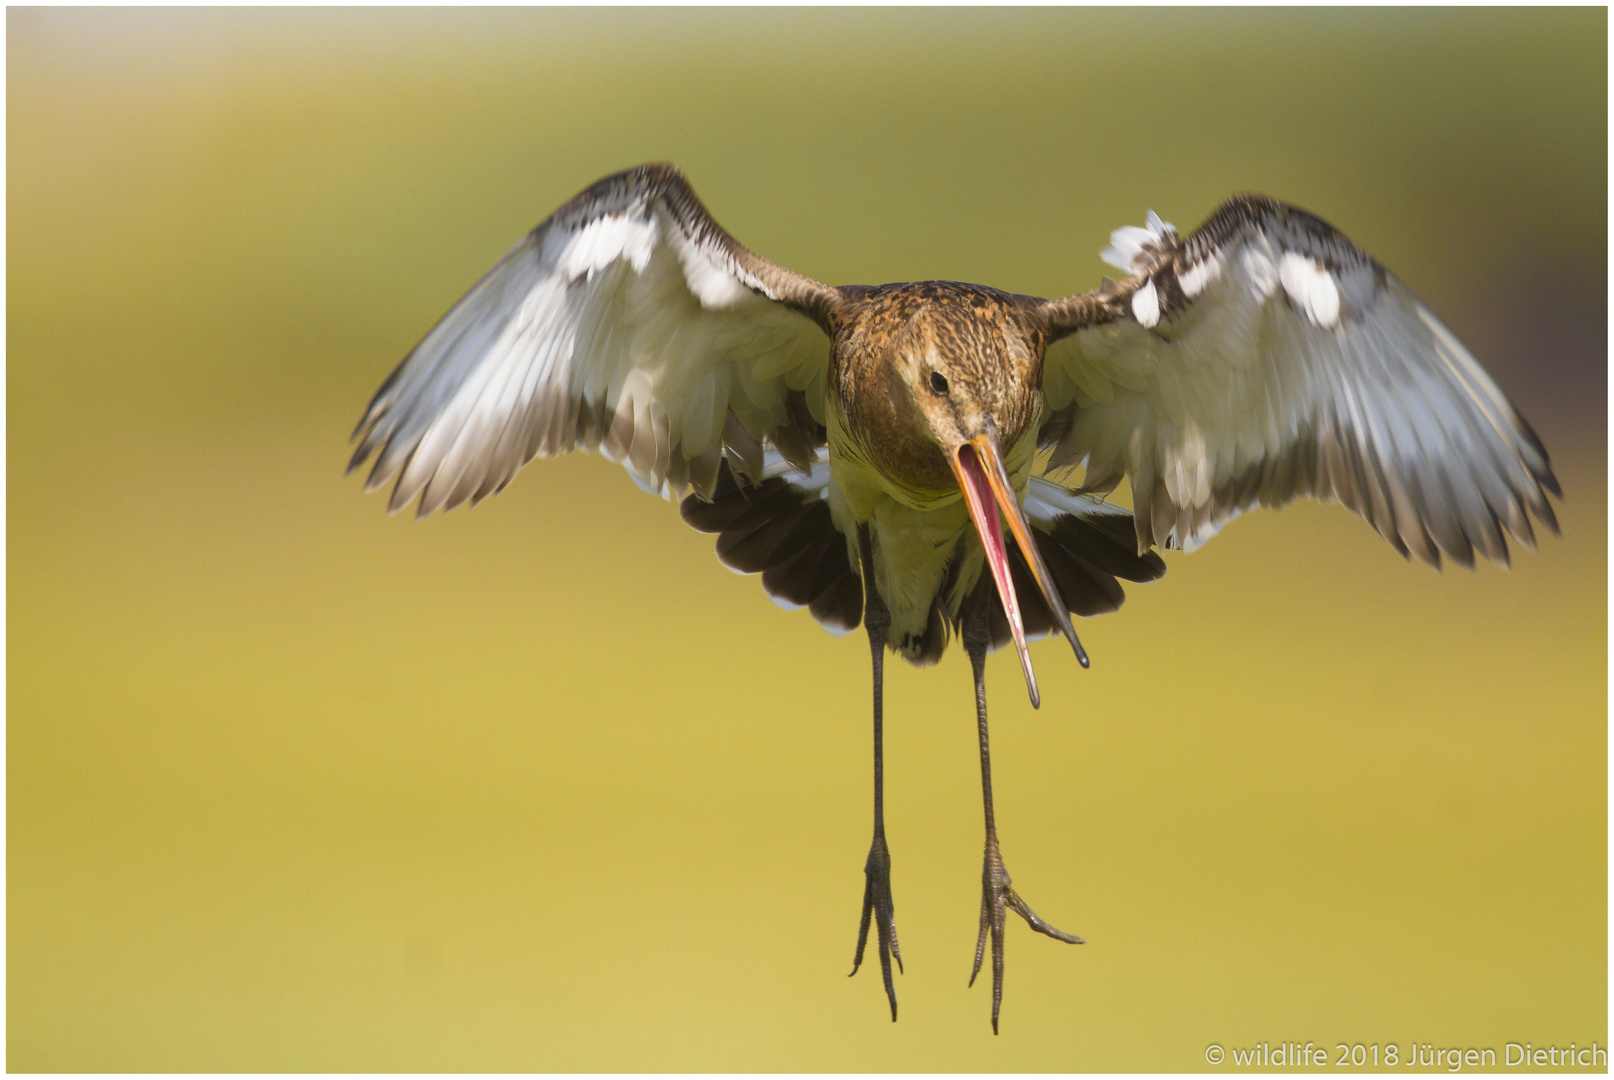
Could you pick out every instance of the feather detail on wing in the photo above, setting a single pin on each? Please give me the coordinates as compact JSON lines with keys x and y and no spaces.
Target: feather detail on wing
{"x":780,"y":527}
{"x":1267,"y":357}
{"x":628,"y":322}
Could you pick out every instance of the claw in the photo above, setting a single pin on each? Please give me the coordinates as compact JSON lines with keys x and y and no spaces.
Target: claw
{"x":997,"y":899}
{"x":878,"y":910}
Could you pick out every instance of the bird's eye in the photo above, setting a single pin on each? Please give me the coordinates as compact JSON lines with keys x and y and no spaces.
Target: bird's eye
{"x":938,"y":382}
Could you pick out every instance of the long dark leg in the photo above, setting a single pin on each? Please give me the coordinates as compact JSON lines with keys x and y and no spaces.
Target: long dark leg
{"x":997,"y":898}
{"x":877,"y":870}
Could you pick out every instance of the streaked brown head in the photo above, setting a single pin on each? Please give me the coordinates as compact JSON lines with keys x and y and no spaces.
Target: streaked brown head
{"x":922,"y":369}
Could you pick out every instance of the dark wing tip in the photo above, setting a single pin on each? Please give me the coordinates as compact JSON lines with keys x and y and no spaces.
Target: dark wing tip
{"x":1543,"y":511}
{"x":359,"y":457}
{"x":1544,"y":475}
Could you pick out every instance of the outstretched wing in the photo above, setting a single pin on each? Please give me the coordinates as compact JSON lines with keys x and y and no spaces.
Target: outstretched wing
{"x":1267,"y":357}
{"x":628,"y":322}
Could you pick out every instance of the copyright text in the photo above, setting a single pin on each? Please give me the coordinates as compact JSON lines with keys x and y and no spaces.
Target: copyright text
{"x":1414,"y":1055}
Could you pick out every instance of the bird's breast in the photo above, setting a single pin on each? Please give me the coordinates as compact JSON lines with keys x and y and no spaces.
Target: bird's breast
{"x":880,"y":463}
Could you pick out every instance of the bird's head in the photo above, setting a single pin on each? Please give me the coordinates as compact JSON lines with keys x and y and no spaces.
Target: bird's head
{"x":961,"y":391}
{"x":945,"y":375}
{"x":962,"y":396}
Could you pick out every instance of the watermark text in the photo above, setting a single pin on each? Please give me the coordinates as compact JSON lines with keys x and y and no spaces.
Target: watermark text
{"x":1412,"y":1055}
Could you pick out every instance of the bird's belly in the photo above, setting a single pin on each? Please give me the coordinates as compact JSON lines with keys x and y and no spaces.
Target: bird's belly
{"x":914,"y":550}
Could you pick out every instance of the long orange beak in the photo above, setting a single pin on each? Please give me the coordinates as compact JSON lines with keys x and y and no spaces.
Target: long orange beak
{"x":985,"y":483}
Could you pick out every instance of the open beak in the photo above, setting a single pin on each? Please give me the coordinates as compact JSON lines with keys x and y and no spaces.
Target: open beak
{"x":985,"y":483}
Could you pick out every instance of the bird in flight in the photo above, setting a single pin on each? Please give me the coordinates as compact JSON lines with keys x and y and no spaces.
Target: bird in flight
{"x":891,"y":455}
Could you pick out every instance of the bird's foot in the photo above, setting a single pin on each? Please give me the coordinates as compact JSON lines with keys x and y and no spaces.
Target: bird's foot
{"x":997,"y":899}
{"x":878,"y":910}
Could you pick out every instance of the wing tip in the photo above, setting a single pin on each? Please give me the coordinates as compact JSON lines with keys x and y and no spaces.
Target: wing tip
{"x":360,"y":455}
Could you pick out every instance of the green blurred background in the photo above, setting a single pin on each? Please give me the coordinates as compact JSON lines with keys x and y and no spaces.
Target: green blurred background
{"x":292,"y":785}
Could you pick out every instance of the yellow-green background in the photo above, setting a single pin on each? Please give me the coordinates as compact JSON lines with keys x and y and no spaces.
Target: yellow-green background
{"x":292,"y":785}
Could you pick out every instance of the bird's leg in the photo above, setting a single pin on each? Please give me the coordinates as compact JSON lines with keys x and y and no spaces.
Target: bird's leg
{"x":997,"y":897}
{"x":877,"y":869}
